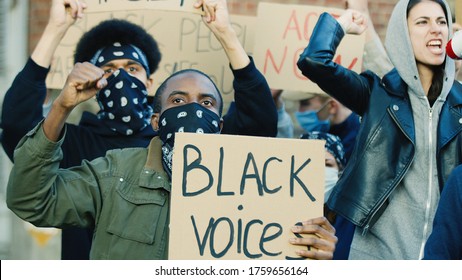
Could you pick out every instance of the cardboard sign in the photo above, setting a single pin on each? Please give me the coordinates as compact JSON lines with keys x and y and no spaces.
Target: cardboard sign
{"x":458,"y":8}
{"x":95,"y":6}
{"x":237,"y":197}
{"x":184,"y":42}
{"x":283,"y":32}
{"x":191,"y":44}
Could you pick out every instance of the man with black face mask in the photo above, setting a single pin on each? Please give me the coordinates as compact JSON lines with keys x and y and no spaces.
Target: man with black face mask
{"x":125,"y":195}
{"x":127,"y":56}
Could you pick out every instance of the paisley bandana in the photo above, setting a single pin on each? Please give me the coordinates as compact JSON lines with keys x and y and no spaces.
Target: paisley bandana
{"x":191,"y":117}
{"x":124,"y":105}
{"x":119,"y":51}
{"x":333,"y":144}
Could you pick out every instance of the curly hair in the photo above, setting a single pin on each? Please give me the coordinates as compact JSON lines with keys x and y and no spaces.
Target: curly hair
{"x":125,"y":32}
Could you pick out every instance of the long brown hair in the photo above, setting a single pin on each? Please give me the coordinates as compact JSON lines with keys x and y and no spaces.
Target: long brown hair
{"x":438,"y":71}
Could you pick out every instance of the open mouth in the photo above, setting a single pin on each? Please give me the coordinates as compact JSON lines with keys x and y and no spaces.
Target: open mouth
{"x":435,"y":46}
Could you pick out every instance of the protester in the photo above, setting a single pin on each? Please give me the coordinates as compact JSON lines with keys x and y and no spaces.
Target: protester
{"x":341,"y":121}
{"x":317,"y":112}
{"x":409,"y":139}
{"x":125,"y":195}
{"x":334,"y":161}
{"x":376,"y":60}
{"x":375,"y":56}
{"x":253,"y":113}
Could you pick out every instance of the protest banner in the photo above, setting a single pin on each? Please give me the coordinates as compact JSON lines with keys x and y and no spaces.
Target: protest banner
{"x":127,"y":5}
{"x":281,"y":35}
{"x":237,"y":197}
{"x":458,"y":8}
{"x":184,"y":42}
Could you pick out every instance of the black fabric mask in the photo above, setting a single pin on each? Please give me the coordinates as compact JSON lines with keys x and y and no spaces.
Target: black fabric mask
{"x":124,"y":105}
{"x":191,"y":117}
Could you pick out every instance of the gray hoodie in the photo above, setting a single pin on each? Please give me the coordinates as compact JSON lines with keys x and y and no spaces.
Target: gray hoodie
{"x":402,"y":230}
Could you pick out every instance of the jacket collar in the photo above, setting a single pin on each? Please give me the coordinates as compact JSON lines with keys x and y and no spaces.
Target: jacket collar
{"x":400,"y":109}
{"x":394,"y":84}
{"x":450,"y":123}
{"x":153,"y":175}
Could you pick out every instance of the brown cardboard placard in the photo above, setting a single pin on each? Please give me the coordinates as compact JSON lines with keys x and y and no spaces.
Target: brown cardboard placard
{"x":237,"y":197}
{"x":281,"y":35}
{"x":184,"y":42}
{"x":98,"y":6}
{"x":458,"y":11}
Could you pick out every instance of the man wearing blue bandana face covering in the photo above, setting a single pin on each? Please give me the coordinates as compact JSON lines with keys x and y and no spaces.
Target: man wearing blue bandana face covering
{"x":124,"y":101}
{"x":125,"y":195}
{"x":187,"y":118}
{"x":128,"y":56}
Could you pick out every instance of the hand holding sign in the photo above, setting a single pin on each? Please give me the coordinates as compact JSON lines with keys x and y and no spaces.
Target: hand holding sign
{"x":217,"y":20}
{"x":233,"y":197}
{"x":98,"y":6}
{"x":74,"y":9}
{"x":321,"y":238}
{"x":63,"y":14}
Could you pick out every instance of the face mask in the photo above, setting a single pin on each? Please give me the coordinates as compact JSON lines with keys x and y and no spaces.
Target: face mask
{"x":331,"y":178}
{"x":191,"y":117}
{"x":124,"y":105}
{"x":309,"y":121}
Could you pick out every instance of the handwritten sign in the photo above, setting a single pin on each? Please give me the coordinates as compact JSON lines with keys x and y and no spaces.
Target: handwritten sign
{"x":184,"y":41}
{"x":95,"y":6}
{"x":283,"y":32}
{"x":237,"y":197}
{"x":458,"y":8}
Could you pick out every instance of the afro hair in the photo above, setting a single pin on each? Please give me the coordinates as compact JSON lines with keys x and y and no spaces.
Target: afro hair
{"x":117,"y":30}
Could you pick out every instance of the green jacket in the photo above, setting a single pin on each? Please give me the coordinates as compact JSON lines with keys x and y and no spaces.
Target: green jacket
{"x":125,"y":195}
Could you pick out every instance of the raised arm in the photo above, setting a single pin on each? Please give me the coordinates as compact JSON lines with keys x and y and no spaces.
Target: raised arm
{"x":375,"y":57}
{"x":22,"y":105}
{"x":253,"y":112}
{"x":316,"y":61}
{"x":217,"y":19}
{"x":63,"y":14}
{"x":41,"y":193}
{"x":84,"y":81}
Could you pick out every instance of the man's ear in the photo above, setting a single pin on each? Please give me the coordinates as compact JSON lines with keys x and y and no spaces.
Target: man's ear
{"x":221,"y":124}
{"x":150,"y":85}
{"x":155,"y":121}
{"x":333,"y":106}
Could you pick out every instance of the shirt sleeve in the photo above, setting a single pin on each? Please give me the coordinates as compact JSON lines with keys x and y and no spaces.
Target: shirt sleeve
{"x":22,"y":105}
{"x":41,"y":193}
{"x":253,"y":112}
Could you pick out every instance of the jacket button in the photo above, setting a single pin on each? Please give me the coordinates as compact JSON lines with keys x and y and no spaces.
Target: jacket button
{"x":395,"y":107}
{"x":121,"y":179}
{"x":460,"y":120}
